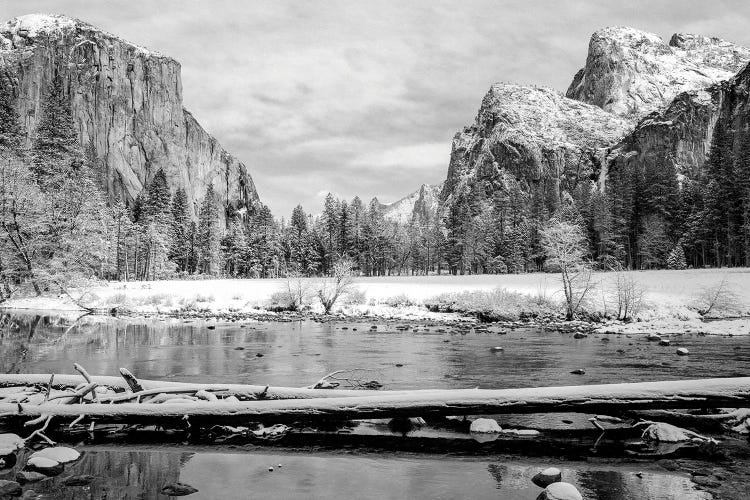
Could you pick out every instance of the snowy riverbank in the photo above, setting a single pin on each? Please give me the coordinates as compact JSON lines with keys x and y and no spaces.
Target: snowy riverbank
{"x":671,"y":299}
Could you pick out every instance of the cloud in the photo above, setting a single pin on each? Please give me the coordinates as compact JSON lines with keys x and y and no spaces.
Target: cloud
{"x":424,"y":155}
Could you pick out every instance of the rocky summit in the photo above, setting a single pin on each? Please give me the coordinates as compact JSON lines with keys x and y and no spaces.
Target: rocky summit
{"x":534,"y":136}
{"x":127,"y":105}
{"x":630,"y":72}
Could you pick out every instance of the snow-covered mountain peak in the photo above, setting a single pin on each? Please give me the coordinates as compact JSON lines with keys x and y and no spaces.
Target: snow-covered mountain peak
{"x":631,"y":73}
{"x":22,"y":30}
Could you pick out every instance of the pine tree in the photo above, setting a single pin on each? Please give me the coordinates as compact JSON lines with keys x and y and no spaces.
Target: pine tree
{"x":157,"y":199}
{"x":181,"y":231}
{"x":676,"y":258}
{"x":55,"y":149}
{"x":207,"y":236}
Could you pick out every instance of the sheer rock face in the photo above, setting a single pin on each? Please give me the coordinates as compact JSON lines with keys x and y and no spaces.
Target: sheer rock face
{"x":127,"y":102}
{"x":680,"y":136}
{"x":421,"y":204}
{"x":547,"y":142}
{"x":631,"y":73}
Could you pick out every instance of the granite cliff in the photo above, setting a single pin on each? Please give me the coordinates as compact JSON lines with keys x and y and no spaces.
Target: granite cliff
{"x":631,"y":73}
{"x":127,"y":106}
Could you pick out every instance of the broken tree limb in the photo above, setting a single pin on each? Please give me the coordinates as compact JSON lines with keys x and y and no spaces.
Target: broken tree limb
{"x":132,"y":382}
{"x":592,"y":399}
{"x":63,"y":381}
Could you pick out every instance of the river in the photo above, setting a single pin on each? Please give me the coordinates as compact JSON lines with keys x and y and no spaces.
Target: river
{"x":425,"y":464}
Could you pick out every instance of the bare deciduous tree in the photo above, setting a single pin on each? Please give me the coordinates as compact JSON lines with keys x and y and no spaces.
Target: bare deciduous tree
{"x":565,"y":246}
{"x":337,"y":285}
{"x":720,"y":297}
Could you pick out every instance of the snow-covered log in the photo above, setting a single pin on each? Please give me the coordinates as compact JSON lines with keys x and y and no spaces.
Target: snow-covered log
{"x":724,"y":392}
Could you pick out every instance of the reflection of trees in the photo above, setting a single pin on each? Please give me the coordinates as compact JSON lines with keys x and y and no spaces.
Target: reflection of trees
{"x":118,"y":475}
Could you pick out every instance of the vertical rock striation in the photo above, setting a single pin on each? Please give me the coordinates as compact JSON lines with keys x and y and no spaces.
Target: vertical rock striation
{"x":127,"y":106}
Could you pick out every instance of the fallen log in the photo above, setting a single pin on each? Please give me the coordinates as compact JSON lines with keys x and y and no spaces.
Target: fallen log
{"x":593,"y":399}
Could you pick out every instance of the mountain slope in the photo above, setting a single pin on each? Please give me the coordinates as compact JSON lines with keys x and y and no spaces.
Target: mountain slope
{"x":547,"y":142}
{"x":630,"y":72}
{"x":127,"y":104}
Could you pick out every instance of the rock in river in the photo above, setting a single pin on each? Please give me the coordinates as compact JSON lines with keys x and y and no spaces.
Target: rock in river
{"x":29,"y":476}
{"x":178,"y":489}
{"x":485,"y":426}
{"x":560,"y":491}
{"x":44,"y":465}
{"x":61,"y":454}
{"x":547,"y":477}
{"x":9,"y":489}
{"x":681,"y":351}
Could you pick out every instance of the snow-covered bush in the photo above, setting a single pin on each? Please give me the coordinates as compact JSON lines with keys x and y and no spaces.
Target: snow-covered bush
{"x":676,"y":258}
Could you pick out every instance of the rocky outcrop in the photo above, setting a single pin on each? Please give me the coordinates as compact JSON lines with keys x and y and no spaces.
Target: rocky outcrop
{"x":127,"y":104}
{"x":631,"y":73}
{"x":545,"y":141}
{"x":422,"y":204}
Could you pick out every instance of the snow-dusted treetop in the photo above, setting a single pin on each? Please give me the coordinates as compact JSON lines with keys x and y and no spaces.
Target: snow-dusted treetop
{"x":631,"y":72}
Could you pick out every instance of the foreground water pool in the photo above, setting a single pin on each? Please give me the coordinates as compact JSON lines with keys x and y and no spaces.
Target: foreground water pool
{"x":298,"y":354}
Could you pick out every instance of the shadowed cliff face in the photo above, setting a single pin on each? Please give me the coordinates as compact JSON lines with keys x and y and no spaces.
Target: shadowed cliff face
{"x":679,"y":138}
{"x":126,"y":102}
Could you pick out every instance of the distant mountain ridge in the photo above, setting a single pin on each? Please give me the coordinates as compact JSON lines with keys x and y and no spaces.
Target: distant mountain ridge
{"x":421,"y":203}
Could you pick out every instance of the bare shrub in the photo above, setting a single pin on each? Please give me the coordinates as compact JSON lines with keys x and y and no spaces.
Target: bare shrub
{"x":499,"y":304}
{"x":294,"y":293}
{"x":337,"y":285}
{"x":400,"y":300}
{"x":199,"y":297}
{"x":628,"y":296}
{"x":720,"y":298}
{"x":355,"y":297}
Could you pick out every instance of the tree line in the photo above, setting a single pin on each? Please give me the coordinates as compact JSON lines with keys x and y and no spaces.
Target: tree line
{"x":57,"y":223}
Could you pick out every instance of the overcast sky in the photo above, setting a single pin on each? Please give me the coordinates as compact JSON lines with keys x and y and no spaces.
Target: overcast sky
{"x":363,"y":97}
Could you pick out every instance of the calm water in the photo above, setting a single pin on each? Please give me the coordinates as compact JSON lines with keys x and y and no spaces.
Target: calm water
{"x":298,"y":354}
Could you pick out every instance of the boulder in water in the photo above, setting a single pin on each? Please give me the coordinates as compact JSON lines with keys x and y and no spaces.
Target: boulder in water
{"x":681,"y":351}
{"x":485,"y":426}
{"x":29,"y":476}
{"x":560,"y":491}
{"x":9,"y":443}
{"x":10,"y":489}
{"x":46,"y":466}
{"x":666,"y":433}
{"x":177,"y":489}
{"x":547,"y":477}
{"x":80,"y":480}
{"x":61,"y":454}
{"x":652,"y":337}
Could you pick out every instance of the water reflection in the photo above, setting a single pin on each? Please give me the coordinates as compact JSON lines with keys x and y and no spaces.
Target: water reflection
{"x":297,"y":354}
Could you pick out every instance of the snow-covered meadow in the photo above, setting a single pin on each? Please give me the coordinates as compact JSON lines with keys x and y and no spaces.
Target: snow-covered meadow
{"x":671,"y":299}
